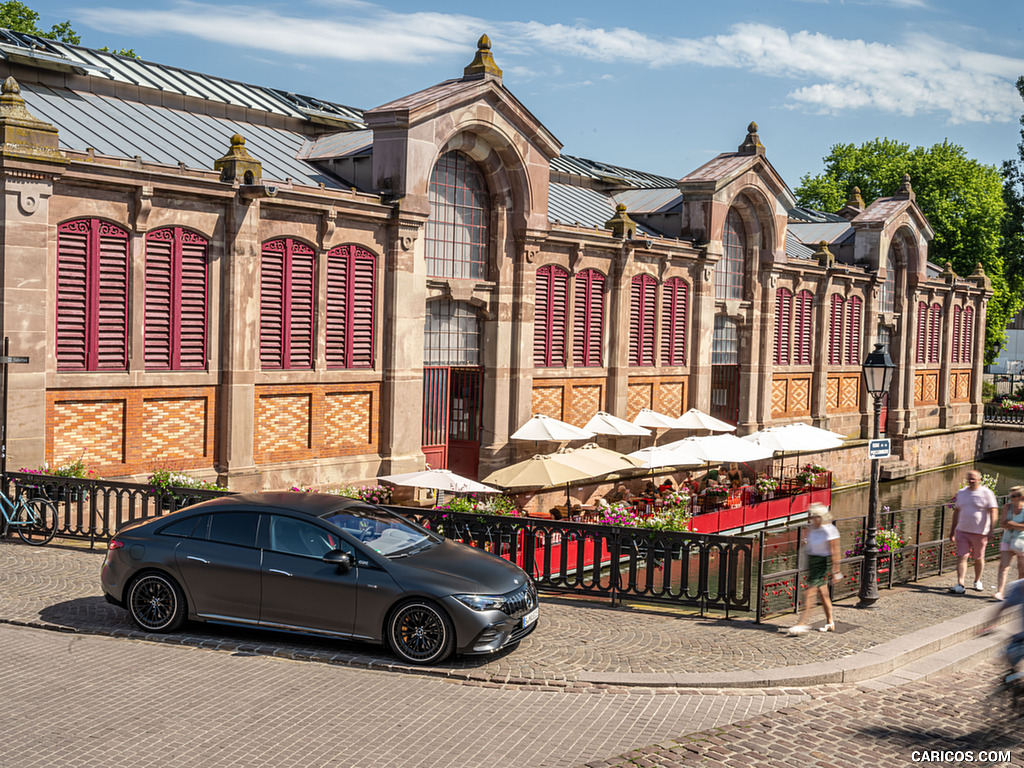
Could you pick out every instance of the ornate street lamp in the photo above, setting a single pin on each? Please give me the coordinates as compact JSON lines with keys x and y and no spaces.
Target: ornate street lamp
{"x":878,"y":372}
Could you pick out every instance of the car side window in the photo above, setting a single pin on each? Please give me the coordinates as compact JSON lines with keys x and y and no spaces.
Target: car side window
{"x":182,"y":528}
{"x":296,"y":537}
{"x":234,"y":528}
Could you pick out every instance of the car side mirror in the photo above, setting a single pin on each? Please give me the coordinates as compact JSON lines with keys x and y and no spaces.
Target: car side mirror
{"x":339,"y":558}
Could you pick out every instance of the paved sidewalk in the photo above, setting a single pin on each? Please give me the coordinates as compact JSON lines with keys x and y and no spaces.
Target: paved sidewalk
{"x":578,"y":646}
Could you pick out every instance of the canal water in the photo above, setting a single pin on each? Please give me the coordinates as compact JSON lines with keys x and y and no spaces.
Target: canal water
{"x":929,"y":488}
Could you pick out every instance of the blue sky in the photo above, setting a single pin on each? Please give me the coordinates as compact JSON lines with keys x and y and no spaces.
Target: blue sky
{"x":657,"y":86}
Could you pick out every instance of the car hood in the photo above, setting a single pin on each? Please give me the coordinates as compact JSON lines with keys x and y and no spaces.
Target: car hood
{"x":453,"y":568}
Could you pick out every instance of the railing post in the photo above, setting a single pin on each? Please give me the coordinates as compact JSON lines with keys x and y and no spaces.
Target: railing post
{"x":760,"y":575}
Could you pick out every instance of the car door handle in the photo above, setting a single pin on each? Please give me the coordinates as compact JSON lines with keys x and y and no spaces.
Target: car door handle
{"x":198,"y":559}
{"x":275,"y":570}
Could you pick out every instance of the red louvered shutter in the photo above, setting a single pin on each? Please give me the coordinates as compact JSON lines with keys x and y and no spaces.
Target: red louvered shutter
{"x":193,"y":301}
{"x":967,"y":348}
{"x":112,"y":299}
{"x":957,"y":324}
{"x":364,"y":276}
{"x":934,"y":333}
{"x":588,"y":318}
{"x":542,"y":317}
{"x":783,"y":325}
{"x":802,"y":329}
{"x":641,"y":321}
{"x":853,"y":333}
{"x":559,"y":317}
{"x":835,"y":331}
{"x":159,"y":328}
{"x":921,"y":344}
{"x":673,"y":322}
{"x":337,"y":320}
{"x":300,"y":316}
{"x":73,"y":296}
{"x":272,"y":305}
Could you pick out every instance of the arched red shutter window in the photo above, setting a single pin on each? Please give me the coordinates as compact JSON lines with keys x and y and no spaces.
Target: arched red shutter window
{"x":958,"y":312}
{"x":921,"y":344}
{"x":835,"y":331}
{"x":783,"y":325}
{"x":550,"y":317}
{"x":287,"y":273}
{"x":588,"y":318}
{"x":176,"y":300}
{"x":967,"y":348}
{"x":802,"y":328}
{"x":349,"y":321}
{"x":934,"y":333}
{"x":92,"y":296}
{"x":641,"y":320}
{"x":853,"y":330}
{"x":674,"y":302}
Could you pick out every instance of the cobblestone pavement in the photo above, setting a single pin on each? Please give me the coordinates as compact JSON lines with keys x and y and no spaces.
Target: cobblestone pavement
{"x":59,"y":587}
{"x":953,"y":720}
{"x":74,"y":700}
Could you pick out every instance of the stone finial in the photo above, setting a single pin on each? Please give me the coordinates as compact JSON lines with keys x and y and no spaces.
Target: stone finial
{"x":824,"y":256}
{"x":22,"y":134}
{"x":238,"y":165}
{"x":483,"y":64}
{"x":980,"y":278}
{"x":905,"y":192}
{"x":620,"y":224}
{"x":752,"y":144}
{"x":855,"y":201}
{"x":947,"y":273}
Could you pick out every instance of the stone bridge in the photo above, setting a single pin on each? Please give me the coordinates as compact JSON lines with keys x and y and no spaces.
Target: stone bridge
{"x":1003,"y":432}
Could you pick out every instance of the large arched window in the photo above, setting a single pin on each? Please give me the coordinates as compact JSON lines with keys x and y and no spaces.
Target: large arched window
{"x":588,"y":318}
{"x":176,"y":300}
{"x":674,"y":301}
{"x":351,"y":272}
{"x":887,"y":293}
{"x":92,"y":296}
{"x":550,"y":317}
{"x":287,"y":273}
{"x":641,"y":320}
{"x":453,"y":335}
{"x":457,"y":230}
{"x":729,"y":269}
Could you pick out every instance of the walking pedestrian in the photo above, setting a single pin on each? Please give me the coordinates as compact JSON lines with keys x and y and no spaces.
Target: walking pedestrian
{"x":821,"y":543}
{"x":1012,"y":544}
{"x":974,"y":516}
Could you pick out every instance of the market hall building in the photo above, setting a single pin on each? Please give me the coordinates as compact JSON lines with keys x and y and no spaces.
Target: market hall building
{"x":271,"y":290}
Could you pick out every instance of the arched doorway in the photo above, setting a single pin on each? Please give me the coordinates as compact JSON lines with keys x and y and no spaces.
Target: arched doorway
{"x":452,"y":387}
{"x":725,"y":370}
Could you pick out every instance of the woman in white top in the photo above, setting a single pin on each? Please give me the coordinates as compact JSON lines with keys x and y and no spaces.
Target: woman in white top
{"x":1013,"y":528}
{"x":821,"y":543}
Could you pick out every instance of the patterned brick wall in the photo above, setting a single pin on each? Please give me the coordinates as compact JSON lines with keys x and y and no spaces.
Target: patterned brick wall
{"x":638,"y":397}
{"x":549,"y":400}
{"x":666,"y":394}
{"x":297,"y":422}
{"x":926,"y":388}
{"x":960,"y":386}
{"x":791,"y":395}
{"x":175,"y":428}
{"x":586,"y":400}
{"x":842,"y":393}
{"x":132,"y":431}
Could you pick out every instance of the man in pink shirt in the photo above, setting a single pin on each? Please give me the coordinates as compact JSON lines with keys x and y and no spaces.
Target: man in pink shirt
{"x":974,"y":516}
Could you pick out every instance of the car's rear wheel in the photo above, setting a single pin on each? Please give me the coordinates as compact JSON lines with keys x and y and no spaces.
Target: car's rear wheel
{"x":420,"y":632}
{"x":156,"y":603}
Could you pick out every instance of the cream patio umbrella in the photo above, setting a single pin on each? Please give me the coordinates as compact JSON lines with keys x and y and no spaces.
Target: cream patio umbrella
{"x":540,"y":471}
{"x":541,"y":427}
{"x":438,"y":480}
{"x":795,"y":438}
{"x":697,"y":419}
{"x":721,"y":448}
{"x":605,"y":424}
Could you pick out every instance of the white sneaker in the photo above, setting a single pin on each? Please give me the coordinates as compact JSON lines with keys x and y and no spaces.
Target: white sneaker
{"x":957,"y":589}
{"x":799,"y":629}
{"x":979,"y":586}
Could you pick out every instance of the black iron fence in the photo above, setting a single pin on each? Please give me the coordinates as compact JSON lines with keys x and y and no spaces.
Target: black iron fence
{"x":914,"y":545}
{"x":996,"y":414}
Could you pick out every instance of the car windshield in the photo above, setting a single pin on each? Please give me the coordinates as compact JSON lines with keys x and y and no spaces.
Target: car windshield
{"x":387,"y":533}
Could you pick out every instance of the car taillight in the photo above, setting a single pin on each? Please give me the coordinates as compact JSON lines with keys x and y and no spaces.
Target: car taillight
{"x":115,"y":544}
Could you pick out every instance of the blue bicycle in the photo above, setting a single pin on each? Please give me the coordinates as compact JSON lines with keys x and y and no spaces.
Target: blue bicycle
{"x":34,"y":519}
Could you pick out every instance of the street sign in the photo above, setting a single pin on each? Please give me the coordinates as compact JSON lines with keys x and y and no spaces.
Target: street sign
{"x":879,"y":449}
{"x":5,"y":359}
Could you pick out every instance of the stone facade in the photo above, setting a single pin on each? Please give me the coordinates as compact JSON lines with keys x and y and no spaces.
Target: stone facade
{"x":253,"y":427}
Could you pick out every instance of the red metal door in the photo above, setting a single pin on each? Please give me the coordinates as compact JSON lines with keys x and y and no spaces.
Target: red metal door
{"x":452,"y":418}
{"x":725,"y":392}
{"x":435,"y":417}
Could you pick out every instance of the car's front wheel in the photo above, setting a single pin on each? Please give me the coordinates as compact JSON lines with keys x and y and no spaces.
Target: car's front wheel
{"x":420,"y":632}
{"x":156,"y":603}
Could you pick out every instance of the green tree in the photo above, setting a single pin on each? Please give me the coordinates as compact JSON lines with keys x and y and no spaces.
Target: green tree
{"x":20,"y":18}
{"x":962,"y":198}
{"x":1013,"y":223}
{"x":129,"y":52}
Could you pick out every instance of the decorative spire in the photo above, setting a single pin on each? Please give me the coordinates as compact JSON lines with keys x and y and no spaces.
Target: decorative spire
{"x":980,"y":278}
{"x":21,"y":133}
{"x":483,"y":64}
{"x":855,"y":201}
{"x":824,"y":256}
{"x":620,"y":224}
{"x":238,"y":165}
{"x":906,"y":192}
{"x":752,"y":144}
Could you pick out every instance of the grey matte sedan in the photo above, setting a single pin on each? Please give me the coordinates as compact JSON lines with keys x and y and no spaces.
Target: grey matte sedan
{"x":322,"y":565}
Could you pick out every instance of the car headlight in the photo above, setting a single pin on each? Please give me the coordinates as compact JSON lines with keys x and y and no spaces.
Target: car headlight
{"x":482,"y":602}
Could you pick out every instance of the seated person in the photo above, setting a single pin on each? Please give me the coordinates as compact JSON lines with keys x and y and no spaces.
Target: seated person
{"x":649,"y":490}
{"x":621,"y":493}
{"x":666,"y":487}
{"x":735,"y":478}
